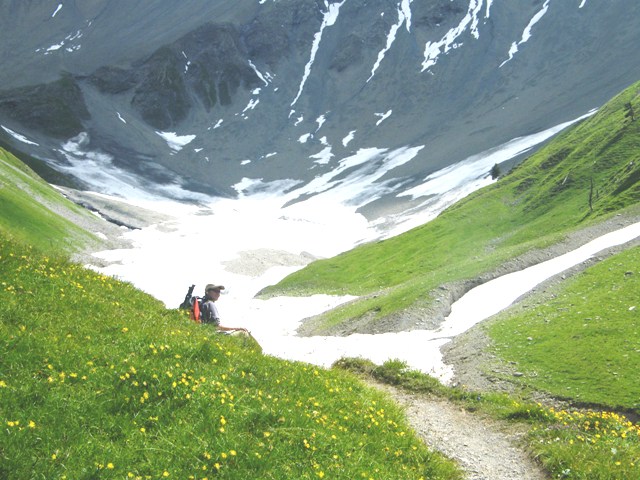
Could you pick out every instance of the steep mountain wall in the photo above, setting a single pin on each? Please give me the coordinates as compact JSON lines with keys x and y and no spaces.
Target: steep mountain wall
{"x":207,"y":94}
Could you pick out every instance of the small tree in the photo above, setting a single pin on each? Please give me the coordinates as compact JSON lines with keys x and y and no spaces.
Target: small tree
{"x":630,"y":112}
{"x":495,"y":171}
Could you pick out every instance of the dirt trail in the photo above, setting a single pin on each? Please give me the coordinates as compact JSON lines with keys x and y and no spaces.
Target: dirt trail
{"x":485,"y":449}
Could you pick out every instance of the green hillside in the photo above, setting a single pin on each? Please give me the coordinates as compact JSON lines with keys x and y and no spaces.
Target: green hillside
{"x":592,"y":325}
{"x":586,"y":174}
{"x":31,"y":211}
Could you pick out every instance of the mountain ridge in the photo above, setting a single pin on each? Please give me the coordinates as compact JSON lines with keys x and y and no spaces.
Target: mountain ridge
{"x":334,"y":79}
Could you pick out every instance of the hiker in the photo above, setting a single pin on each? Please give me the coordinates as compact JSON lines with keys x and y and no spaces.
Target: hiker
{"x":210,"y":313}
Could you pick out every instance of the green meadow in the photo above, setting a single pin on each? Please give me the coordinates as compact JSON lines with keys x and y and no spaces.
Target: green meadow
{"x":584,"y":342}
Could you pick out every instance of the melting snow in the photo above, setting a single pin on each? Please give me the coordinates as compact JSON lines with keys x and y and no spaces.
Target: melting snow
{"x":432,"y":50}
{"x":305,"y":138}
{"x":176,"y":142}
{"x":320,"y":121}
{"x":320,"y":218}
{"x":323,"y":157}
{"x":346,"y":140}
{"x":324,"y":224}
{"x":383,"y":116}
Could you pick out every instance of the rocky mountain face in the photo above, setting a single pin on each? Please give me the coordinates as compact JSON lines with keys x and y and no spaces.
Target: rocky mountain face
{"x":231,"y":96}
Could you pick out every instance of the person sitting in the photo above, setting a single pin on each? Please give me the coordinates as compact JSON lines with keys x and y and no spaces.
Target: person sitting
{"x":210,"y":313}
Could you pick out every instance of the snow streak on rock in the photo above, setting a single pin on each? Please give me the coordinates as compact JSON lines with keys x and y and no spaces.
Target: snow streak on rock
{"x":432,"y":50}
{"x":526,"y":35}
{"x":383,"y":116}
{"x":258,"y":73}
{"x":356,"y":179}
{"x":17,"y":136}
{"x":404,"y":17}
{"x":330,"y":17}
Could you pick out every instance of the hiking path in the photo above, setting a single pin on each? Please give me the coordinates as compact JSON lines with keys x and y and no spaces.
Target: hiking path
{"x":485,"y":449}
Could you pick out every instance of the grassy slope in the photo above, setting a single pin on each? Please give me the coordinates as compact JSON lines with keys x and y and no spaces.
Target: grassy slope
{"x":532,"y":207}
{"x":593,"y":325}
{"x":27,"y":209}
{"x":99,"y":380}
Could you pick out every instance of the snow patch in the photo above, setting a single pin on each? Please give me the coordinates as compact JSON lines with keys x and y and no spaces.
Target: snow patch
{"x":323,"y":156}
{"x":450,"y":184}
{"x":346,"y":140}
{"x":320,"y":121}
{"x":176,"y":142}
{"x":253,"y":103}
{"x":305,"y":138}
{"x":383,"y":116}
